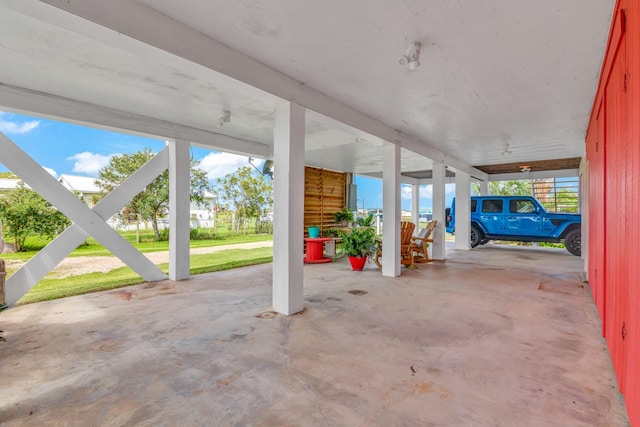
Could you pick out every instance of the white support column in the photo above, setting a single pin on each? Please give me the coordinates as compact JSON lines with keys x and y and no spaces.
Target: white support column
{"x":484,"y":188}
{"x":179,"y":208}
{"x":391,"y":212}
{"x":415,"y":206}
{"x":463,"y":205}
{"x":288,"y":208}
{"x":438,"y":247}
{"x":583,"y":199}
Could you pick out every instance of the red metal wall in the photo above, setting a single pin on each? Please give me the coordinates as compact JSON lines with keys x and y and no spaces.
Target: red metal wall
{"x":613,"y":155}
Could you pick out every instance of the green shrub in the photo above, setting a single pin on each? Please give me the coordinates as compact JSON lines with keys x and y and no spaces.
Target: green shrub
{"x":164,"y":234}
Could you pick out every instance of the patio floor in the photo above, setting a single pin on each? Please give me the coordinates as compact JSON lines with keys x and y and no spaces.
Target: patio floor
{"x":494,"y":336}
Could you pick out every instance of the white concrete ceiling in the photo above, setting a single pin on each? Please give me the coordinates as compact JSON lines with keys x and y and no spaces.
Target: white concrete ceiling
{"x":516,"y":72}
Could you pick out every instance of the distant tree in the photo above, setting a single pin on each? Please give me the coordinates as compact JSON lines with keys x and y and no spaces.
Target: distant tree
{"x":153,"y":202}
{"x":248,"y":191}
{"x":507,"y":188}
{"x":10,"y":175}
{"x":562,"y":200}
{"x":24,"y":212}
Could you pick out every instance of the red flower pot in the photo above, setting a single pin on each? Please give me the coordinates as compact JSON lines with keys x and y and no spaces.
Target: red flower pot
{"x":357,"y":263}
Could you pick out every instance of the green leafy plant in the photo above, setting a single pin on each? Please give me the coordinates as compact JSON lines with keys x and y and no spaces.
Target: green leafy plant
{"x":343,"y":215}
{"x":359,"y":242}
{"x":24,"y":213}
{"x":365,"y":221}
{"x":331,"y":232}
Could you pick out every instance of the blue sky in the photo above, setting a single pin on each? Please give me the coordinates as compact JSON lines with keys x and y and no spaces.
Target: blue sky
{"x":64,"y":148}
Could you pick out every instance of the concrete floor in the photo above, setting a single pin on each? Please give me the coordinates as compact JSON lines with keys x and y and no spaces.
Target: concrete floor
{"x":493,"y":336}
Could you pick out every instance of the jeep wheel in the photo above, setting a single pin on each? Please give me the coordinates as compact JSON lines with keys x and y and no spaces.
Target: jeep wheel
{"x":476,"y":236}
{"x":573,"y":243}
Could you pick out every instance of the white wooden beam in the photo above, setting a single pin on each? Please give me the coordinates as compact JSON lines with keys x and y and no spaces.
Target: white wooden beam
{"x":179,"y":208}
{"x":391,"y":209}
{"x":409,"y":180}
{"x":415,"y":205}
{"x":484,"y":188}
{"x":288,"y":209}
{"x":447,"y":180}
{"x":45,"y":260}
{"x":463,"y":206}
{"x":25,"y":101}
{"x":438,"y":248}
{"x":53,"y":191}
{"x":141,"y":22}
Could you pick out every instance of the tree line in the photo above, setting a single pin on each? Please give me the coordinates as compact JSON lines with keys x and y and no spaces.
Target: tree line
{"x":24,"y":213}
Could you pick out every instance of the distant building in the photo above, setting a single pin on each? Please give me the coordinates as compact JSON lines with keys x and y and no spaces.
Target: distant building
{"x":86,"y":189}
{"x":83,"y":186}
{"x":8,"y":184}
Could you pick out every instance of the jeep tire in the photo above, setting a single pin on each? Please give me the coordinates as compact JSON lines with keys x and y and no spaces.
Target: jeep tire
{"x":476,"y":236}
{"x":573,"y":243}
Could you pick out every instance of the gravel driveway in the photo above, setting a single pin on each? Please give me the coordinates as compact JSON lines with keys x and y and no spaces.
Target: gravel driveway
{"x":73,"y":266}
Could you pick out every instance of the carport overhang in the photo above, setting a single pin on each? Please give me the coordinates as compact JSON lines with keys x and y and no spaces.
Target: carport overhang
{"x":503,"y":84}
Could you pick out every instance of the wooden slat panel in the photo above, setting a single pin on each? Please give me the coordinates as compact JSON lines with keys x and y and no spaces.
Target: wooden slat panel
{"x":325,"y":193}
{"x":536,"y":166}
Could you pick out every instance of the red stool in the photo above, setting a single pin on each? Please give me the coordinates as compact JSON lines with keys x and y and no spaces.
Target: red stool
{"x":315,"y":250}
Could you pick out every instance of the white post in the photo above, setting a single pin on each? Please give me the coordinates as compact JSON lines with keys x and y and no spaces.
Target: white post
{"x":438,"y":246}
{"x":463,"y":206}
{"x":415,"y":206}
{"x":179,"y":191}
{"x":391,"y":209}
{"x":288,"y":208}
{"x":484,"y":188}
{"x":583,"y":199}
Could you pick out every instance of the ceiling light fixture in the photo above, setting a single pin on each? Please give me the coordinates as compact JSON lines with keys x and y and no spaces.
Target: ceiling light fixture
{"x":411,"y":57}
{"x":225,"y":118}
{"x":525,"y":168}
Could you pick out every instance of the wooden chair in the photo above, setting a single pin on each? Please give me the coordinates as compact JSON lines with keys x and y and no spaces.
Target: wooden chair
{"x":420,"y":243}
{"x":406,"y":253}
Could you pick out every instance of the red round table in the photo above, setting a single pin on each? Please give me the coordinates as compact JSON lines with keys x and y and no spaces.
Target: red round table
{"x":315,"y":250}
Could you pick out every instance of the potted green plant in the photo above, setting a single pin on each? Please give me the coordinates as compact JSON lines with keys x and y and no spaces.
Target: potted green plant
{"x":331,"y":232}
{"x":366,"y":221}
{"x":343,"y":217}
{"x":358,"y":244}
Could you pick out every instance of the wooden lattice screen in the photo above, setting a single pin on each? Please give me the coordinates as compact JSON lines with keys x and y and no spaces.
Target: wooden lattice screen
{"x":324,"y":194}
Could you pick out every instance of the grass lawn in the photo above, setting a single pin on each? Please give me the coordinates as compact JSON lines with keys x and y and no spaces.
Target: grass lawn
{"x":48,"y":289}
{"x":93,"y":248}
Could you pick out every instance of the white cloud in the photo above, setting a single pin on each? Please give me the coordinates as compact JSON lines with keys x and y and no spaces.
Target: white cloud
{"x":89,"y":163}
{"x":426,"y":191}
{"x":405,"y":191}
{"x":217,"y":165}
{"x":11,"y":127}
{"x":52,"y":172}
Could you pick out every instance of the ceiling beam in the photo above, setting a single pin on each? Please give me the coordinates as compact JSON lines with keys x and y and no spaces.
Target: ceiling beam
{"x":21,"y":100}
{"x":563,"y":173}
{"x":151,"y":27}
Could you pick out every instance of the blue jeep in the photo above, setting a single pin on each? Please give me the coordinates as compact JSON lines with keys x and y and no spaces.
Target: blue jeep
{"x":518,"y":218}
